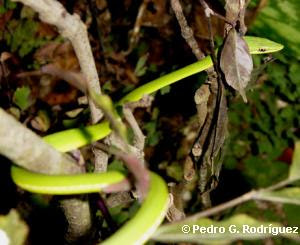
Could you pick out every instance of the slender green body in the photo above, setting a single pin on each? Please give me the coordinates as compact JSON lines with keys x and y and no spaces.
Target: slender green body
{"x":71,"y":139}
{"x":152,"y":212}
{"x":150,"y":215}
{"x":136,"y":231}
{"x":64,"y":184}
{"x":83,"y":136}
{"x":166,"y":80}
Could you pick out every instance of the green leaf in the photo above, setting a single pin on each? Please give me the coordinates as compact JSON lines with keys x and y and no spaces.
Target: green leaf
{"x":289,"y":195}
{"x":13,"y":228}
{"x":117,"y":165}
{"x":264,"y":172}
{"x":207,"y":231}
{"x":15,"y":112}
{"x":107,"y":87}
{"x":153,"y":139}
{"x":119,"y":216}
{"x":175,"y":171}
{"x":295,"y":168}
{"x":8,"y":5}
{"x":141,"y":68}
{"x":153,"y":134}
{"x":292,"y":214}
{"x":70,"y":123}
{"x":280,"y":21}
{"x":22,"y":97}
{"x":165,"y":90}
{"x":27,"y":13}
{"x":21,"y":36}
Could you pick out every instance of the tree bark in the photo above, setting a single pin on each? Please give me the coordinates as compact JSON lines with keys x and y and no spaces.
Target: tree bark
{"x":29,"y":151}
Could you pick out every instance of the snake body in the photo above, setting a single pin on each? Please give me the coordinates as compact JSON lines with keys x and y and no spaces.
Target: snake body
{"x":153,"y":209}
{"x":135,"y":231}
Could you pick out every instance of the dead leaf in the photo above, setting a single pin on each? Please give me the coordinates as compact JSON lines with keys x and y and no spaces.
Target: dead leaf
{"x":41,"y":122}
{"x":60,"y":54}
{"x":74,"y":113}
{"x":156,"y":14}
{"x":4,"y":19}
{"x":236,"y":62}
{"x":58,"y":98}
{"x":46,"y":53}
{"x":5,"y":56}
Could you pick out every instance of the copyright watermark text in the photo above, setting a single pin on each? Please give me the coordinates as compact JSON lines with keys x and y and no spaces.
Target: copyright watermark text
{"x":244,"y":229}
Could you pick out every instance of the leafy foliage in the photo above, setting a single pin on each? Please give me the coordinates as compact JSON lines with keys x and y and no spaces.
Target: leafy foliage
{"x":21,"y":36}
{"x":141,"y":67}
{"x":263,"y":130}
{"x":8,"y":5}
{"x":234,"y":229}
{"x":14,"y":228}
{"x":280,"y":21}
{"x":295,"y":168}
{"x":260,"y":131}
{"x":151,"y":128}
{"x":22,"y":97}
{"x":288,"y":195}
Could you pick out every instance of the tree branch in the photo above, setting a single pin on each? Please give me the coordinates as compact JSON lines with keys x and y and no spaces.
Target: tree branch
{"x":28,"y":150}
{"x":72,"y":28}
{"x":251,"y":195}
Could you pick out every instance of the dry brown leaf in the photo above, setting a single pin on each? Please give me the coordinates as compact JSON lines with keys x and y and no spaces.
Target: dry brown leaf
{"x":236,"y":62}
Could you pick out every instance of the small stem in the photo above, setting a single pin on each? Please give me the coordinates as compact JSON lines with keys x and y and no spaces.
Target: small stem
{"x":139,"y":138}
{"x":208,"y":11}
{"x":186,"y":31}
{"x":106,"y":214}
{"x":278,"y":185}
{"x":251,"y":195}
{"x":246,"y":197}
{"x":134,"y":36}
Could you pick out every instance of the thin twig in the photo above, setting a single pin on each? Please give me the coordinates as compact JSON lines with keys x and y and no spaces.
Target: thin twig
{"x":187,"y":34}
{"x":128,"y":109}
{"x":134,"y":36}
{"x":186,"y":31}
{"x":217,"y":209}
{"x":279,"y":185}
{"x":106,"y":214}
{"x":209,"y":11}
{"x":251,"y":17}
{"x":251,"y":195}
{"x":139,"y":137}
{"x":135,"y":166}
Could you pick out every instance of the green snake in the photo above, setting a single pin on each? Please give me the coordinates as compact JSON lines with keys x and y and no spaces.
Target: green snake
{"x":153,"y":210}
